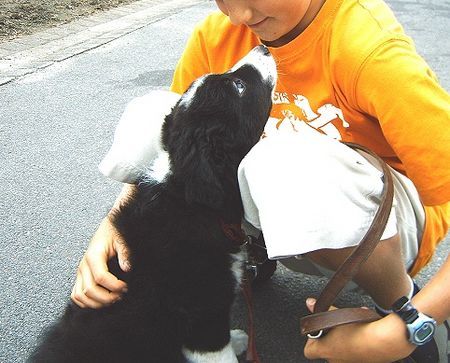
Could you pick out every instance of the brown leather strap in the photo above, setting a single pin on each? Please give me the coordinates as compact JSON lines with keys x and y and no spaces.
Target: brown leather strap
{"x":351,"y":265}
{"x":333,"y":318}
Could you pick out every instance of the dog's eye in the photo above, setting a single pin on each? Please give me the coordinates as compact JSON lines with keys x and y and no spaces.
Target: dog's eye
{"x":239,"y":86}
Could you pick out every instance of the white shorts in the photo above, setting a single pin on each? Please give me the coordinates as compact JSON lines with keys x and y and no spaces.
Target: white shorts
{"x":307,"y":191}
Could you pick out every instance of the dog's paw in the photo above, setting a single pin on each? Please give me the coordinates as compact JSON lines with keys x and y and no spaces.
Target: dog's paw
{"x":239,"y":341}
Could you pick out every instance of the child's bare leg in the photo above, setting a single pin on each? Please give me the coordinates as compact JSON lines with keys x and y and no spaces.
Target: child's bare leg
{"x":383,"y":276}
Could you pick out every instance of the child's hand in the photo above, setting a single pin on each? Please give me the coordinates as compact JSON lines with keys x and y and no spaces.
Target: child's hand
{"x":381,"y":341}
{"x":95,"y":286}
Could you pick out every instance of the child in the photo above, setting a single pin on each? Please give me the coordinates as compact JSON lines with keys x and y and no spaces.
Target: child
{"x":347,"y":70}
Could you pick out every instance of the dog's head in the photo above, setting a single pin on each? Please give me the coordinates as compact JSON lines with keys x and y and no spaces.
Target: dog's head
{"x":215,"y":123}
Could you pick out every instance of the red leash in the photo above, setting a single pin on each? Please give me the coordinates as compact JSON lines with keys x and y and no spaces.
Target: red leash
{"x":252,"y":354}
{"x":235,"y":233}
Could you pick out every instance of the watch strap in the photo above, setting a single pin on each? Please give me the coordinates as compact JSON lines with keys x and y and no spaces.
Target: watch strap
{"x":403,"y":308}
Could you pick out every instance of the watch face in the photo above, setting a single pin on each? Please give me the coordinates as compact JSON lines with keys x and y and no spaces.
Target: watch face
{"x":424,"y":333}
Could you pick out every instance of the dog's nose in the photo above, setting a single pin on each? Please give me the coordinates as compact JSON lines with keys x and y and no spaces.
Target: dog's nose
{"x":263,"y":49}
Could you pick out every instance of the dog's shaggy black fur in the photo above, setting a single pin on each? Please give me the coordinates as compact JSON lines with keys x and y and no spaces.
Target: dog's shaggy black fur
{"x":181,"y":286}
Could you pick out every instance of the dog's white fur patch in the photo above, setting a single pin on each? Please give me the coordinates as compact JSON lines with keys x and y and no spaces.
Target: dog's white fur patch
{"x":239,"y":341}
{"x":237,"y":265}
{"x":264,"y":64}
{"x":237,"y":345}
{"x":226,"y":355}
{"x":189,"y":94}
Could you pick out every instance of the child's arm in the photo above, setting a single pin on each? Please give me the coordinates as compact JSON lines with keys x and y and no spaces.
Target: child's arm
{"x":95,"y":286}
{"x":383,"y":340}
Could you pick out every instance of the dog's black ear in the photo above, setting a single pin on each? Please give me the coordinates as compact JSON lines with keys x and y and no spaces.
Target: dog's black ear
{"x":198,"y":162}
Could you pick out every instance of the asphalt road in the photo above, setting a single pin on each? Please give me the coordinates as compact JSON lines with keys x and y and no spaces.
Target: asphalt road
{"x":55,"y":126}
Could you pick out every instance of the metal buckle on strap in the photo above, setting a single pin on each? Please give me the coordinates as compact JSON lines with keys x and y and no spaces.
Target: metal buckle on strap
{"x":256,"y":253}
{"x":256,"y":256}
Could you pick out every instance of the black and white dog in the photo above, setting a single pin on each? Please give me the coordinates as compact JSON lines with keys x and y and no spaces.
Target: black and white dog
{"x":185,"y":270}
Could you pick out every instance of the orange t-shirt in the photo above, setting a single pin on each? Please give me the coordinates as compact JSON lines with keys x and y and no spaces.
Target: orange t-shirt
{"x":354,"y":75}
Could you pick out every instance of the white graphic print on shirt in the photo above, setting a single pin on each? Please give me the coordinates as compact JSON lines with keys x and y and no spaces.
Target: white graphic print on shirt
{"x":320,"y":120}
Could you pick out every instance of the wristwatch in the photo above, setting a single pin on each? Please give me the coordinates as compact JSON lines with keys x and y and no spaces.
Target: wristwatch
{"x":420,"y":327}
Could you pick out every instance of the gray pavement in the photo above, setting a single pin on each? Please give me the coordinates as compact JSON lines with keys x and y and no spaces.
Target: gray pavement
{"x":62,"y":94}
{"x":28,"y":54}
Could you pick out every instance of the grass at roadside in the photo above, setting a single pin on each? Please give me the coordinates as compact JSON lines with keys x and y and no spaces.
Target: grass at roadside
{"x":19,"y":17}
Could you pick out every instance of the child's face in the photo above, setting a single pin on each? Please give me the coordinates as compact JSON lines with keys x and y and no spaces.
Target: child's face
{"x":268,"y":19}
